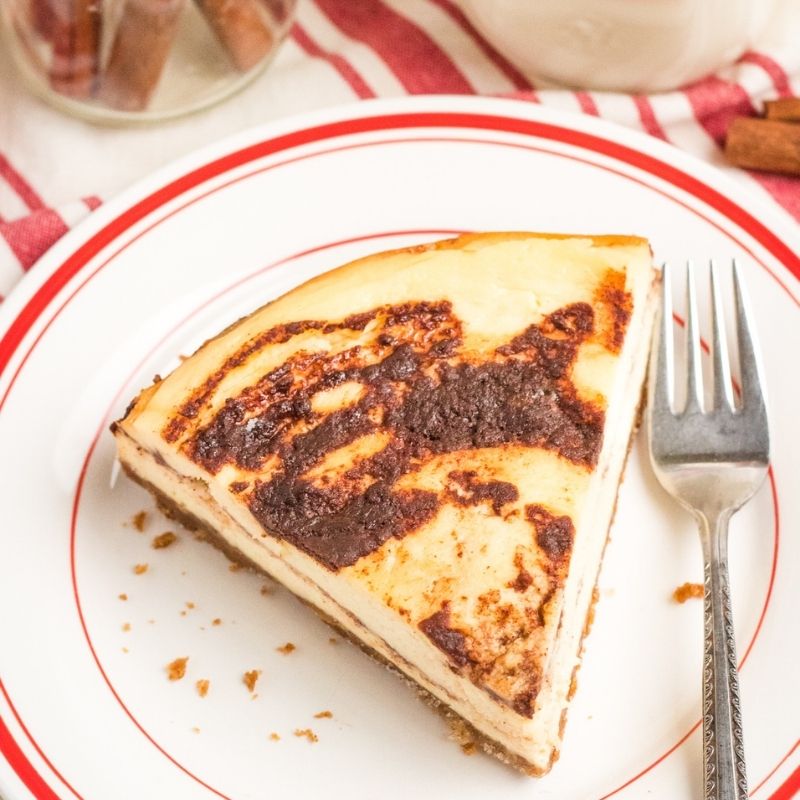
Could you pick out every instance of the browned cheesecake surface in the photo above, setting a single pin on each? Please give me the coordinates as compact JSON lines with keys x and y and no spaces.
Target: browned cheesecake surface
{"x":424,"y":456}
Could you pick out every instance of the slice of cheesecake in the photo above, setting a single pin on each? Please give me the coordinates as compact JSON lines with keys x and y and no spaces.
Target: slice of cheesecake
{"x":425,"y":445}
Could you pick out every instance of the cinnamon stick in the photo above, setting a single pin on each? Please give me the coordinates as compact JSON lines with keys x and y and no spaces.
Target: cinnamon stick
{"x":764,"y":144}
{"x":278,"y":9}
{"x":242,"y":29}
{"x":138,"y":53}
{"x":41,"y":18}
{"x":786,"y":109}
{"x":73,"y":28}
{"x":38,"y":15}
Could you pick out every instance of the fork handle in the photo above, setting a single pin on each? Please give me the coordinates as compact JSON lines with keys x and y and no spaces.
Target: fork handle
{"x":723,"y":747}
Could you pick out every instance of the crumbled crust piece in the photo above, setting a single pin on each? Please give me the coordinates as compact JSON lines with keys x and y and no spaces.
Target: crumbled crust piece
{"x":139,"y":569}
{"x":216,"y":621}
{"x":123,"y":596}
{"x":177,"y":669}
{"x":274,"y":737}
{"x":461,"y":733}
{"x":139,"y":521}
{"x":323,"y":715}
{"x":202,"y":687}
{"x":190,"y":605}
{"x":687,"y":591}
{"x":306,"y":733}
{"x":286,"y":648}
{"x":163,"y":540}
{"x":126,"y":627}
{"x":250,"y":678}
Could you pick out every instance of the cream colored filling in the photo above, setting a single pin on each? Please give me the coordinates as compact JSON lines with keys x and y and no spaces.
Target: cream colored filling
{"x":347,"y":602}
{"x":505,"y":280}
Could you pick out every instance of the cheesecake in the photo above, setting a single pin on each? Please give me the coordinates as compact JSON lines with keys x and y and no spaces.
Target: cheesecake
{"x":424,"y":445}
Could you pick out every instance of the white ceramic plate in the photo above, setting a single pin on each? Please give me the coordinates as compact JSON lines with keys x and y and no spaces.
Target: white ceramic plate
{"x":86,"y":710}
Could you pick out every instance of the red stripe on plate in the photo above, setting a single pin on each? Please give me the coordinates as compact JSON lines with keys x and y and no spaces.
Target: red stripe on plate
{"x":24,"y":769}
{"x":790,"y":789}
{"x":774,"y":769}
{"x":518,"y":80}
{"x":716,"y":103}
{"x":415,"y":59}
{"x":19,"y":185}
{"x":19,"y":761}
{"x":338,"y":62}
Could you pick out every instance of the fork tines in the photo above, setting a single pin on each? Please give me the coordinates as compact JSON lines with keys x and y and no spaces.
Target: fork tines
{"x":751,"y":389}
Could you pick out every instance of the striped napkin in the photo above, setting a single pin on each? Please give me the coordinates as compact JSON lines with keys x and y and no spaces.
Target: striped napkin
{"x":338,"y":51}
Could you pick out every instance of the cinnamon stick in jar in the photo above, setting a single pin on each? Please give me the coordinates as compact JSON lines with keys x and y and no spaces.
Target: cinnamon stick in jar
{"x":278,"y":9}
{"x":764,"y":144}
{"x":242,"y":29}
{"x":73,"y":28}
{"x":139,"y":51}
{"x":41,"y":18}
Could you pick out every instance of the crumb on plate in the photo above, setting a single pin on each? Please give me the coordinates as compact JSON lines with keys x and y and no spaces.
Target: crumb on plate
{"x":286,"y":648}
{"x":234,"y":566}
{"x":323,"y":715}
{"x":216,"y":621}
{"x":139,"y":521}
{"x":202,"y":687}
{"x":140,"y":569}
{"x":177,"y":669}
{"x":123,"y":596}
{"x":163,"y":540}
{"x":126,"y":627}
{"x":250,"y":678}
{"x":306,"y":733}
{"x":687,"y":591}
{"x":274,"y":737}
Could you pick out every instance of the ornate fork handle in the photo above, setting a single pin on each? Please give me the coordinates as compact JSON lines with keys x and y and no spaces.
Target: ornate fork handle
{"x":723,"y":747}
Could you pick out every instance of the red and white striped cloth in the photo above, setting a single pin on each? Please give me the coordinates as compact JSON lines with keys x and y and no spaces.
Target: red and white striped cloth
{"x":340,"y":50}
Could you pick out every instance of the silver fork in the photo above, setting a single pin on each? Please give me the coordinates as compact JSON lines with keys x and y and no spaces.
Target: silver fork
{"x":712,"y":462}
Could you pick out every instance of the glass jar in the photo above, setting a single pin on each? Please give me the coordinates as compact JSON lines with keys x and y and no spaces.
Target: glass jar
{"x":142,"y":60}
